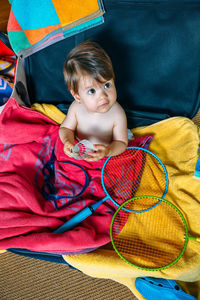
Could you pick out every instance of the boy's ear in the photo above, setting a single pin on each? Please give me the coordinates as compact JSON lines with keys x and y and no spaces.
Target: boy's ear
{"x":75,"y":95}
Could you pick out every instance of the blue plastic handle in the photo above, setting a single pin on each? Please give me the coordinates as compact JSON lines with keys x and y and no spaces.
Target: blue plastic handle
{"x":82,"y":215}
{"x":86,"y":212}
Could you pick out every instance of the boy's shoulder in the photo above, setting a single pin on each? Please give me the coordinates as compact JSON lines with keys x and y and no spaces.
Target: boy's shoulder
{"x":74,"y":104}
{"x":117,"y":108}
{"x":118,"y":114}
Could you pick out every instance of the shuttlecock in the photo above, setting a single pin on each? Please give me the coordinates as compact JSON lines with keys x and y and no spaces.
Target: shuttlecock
{"x":82,"y":148}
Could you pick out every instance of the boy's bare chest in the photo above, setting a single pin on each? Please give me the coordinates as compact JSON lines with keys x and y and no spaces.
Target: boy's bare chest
{"x":100,"y":126}
{"x":96,"y":122}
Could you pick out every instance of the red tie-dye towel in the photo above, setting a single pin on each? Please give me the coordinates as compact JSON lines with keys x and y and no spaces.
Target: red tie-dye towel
{"x":27,"y":219}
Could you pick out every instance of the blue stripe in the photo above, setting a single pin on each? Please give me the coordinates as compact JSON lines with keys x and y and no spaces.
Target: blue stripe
{"x":35,"y":14}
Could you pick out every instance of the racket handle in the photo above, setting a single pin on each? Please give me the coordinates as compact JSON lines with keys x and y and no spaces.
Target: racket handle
{"x":82,"y":215}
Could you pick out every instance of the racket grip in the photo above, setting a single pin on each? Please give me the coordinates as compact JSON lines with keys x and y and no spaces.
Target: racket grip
{"x":82,"y":215}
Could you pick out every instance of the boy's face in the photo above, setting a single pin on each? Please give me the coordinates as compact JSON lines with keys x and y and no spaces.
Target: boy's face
{"x":96,"y":96}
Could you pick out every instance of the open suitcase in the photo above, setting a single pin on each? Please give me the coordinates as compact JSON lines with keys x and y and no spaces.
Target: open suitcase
{"x":154,"y":47}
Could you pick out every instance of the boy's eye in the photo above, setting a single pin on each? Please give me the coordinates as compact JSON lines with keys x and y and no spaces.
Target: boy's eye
{"x":107,"y":85}
{"x":91,"y":91}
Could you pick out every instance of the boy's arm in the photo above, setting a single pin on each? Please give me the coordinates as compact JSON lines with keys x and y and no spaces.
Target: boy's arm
{"x":115,"y":148}
{"x":120,"y":134}
{"x":67,"y":129}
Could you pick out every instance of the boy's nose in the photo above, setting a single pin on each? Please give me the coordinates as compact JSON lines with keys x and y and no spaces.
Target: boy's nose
{"x":103,"y":93}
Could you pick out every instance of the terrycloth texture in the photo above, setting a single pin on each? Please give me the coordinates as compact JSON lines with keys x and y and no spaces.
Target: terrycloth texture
{"x":27,"y":219}
{"x":36,"y":24}
{"x":51,"y":111}
{"x":176,"y":142}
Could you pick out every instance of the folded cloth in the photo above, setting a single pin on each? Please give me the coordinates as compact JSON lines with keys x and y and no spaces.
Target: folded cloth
{"x":34,"y":24}
{"x":50,"y":111}
{"x":27,"y":218}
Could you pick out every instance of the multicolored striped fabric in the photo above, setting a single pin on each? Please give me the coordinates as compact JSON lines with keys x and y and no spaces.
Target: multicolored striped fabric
{"x":7,"y":67}
{"x":36,"y":24}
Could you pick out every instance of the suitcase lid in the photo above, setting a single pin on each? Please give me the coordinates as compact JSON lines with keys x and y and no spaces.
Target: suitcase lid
{"x":155,"y":50}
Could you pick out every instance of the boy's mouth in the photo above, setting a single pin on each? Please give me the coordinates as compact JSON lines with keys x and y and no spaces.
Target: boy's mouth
{"x":102,"y":104}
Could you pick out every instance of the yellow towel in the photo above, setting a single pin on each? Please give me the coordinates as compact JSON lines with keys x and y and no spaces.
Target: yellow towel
{"x":50,"y":111}
{"x":176,"y":143}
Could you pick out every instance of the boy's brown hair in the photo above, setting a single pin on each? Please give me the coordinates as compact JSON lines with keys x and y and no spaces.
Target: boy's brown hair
{"x":87,"y":58}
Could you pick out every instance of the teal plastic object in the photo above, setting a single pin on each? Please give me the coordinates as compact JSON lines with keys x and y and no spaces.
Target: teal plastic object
{"x":197,"y":168}
{"x":160,"y":288}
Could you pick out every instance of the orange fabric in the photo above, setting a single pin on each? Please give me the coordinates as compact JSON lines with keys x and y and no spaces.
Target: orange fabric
{"x":36,"y":35}
{"x":75,"y":9}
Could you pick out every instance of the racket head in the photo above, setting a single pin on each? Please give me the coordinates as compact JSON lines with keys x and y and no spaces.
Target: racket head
{"x":136,"y":171}
{"x":63,"y":180}
{"x":151,"y":240}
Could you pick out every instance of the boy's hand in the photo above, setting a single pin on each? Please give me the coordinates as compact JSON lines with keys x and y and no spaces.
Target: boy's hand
{"x":68,"y":148}
{"x":67,"y":137}
{"x":100,"y":152}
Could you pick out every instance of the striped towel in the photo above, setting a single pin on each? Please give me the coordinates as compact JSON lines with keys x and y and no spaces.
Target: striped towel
{"x":35,"y":24}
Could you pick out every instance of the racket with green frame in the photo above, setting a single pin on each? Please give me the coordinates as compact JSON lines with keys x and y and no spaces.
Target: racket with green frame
{"x":152,"y":239}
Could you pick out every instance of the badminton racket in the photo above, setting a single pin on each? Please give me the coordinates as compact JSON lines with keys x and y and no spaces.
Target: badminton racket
{"x":152,"y":240}
{"x":123,"y":177}
{"x":51,"y":174}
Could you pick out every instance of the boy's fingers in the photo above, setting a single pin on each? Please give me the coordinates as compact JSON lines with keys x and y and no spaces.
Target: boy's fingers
{"x":68,"y":152}
{"x":99,"y":146}
{"x":94,"y":157}
{"x":68,"y":147}
{"x":91,"y":159}
{"x":93,"y":154}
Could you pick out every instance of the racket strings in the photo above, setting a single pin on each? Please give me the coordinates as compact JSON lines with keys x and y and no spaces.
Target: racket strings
{"x":134,"y":173}
{"x":140,"y":246}
{"x":153,"y":181}
{"x":152,"y":239}
{"x":122,"y":174}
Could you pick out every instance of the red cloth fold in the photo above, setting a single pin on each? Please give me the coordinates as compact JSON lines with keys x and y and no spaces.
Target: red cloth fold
{"x":27,"y":219}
